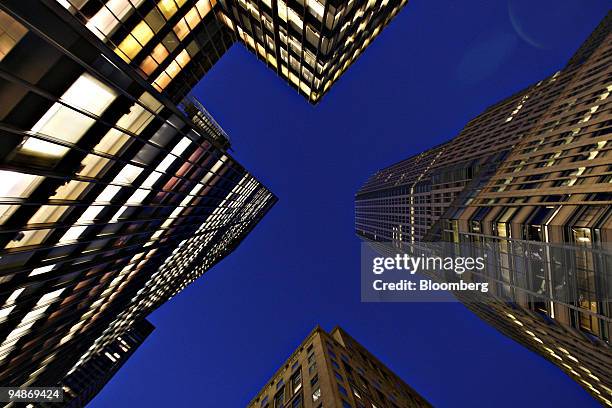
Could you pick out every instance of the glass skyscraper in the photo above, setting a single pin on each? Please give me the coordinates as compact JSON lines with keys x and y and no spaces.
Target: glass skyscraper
{"x":112,"y":199}
{"x":117,"y":187}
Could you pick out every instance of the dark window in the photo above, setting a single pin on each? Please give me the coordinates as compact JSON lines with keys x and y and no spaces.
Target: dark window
{"x":296,"y":381}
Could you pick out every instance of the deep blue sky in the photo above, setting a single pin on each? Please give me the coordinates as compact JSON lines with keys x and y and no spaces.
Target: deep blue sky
{"x":436,"y":66}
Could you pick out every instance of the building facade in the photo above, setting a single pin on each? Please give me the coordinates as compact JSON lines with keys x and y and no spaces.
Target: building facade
{"x":173,"y":43}
{"x":333,"y":370}
{"x":308,"y":43}
{"x":112,"y":200}
{"x":529,"y":181}
{"x":84,"y":383}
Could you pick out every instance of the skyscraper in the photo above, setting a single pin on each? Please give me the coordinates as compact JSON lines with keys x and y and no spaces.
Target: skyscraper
{"x":90,"y":377}
{"x":308,"y":43}
{"x":333,"y":370}
{"x":173,"y":43}
{"x":119,"y":188}
{"x":527,"y":179}
{"x":112,"y":201}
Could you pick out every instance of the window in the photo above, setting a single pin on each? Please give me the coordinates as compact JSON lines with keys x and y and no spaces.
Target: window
{"x":316,"y":394}
{"x":342,"y":390}
{"x":296,"y":381}
{"x":64,"y":123}
{"x":18,"y":185}
{"x":181,"y":29}
{"x":48,"y":214}
{"x":203,"y":7}
{"x":279,"y":398}
{"x":173,"y":69}
{"x":168,"y":7}
{"x":133,"y":43}
{"x":346,"y":404}
{"x":11,"y":32}
{"x":297,"y":402}
{"x":314,"y":380}
{"x":134,"y":121}
{"x":25,"y":238}
{"x":158,"y":55}
{"x":107,"y":19}
{"x":311,"y":358}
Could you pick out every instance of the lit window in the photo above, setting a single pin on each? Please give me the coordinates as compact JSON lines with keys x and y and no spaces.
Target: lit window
{"x":107,"y":19}
{"x":6,"y":211}
{"x":93,"y":166}
{"x":158,"y":55}
{"x":18,"y":185}
{"x":183,"y":58}
{"x":128,"y":174}
{"x":71,"y":190}
{"x":316,"y":394}
{"x":25,"y":238}
{"x":168,"y":7}
{"x":135,"y":122}
{"x":67,"y":124}
{"x":11,"y":32}
{"x":133,"y":43}
{"x":204,"y":7}
{"x":48,"y":214}
{"x":162,"y":81}
{"x":107,"y":194}
{"x":181,"y":29}
{"x":72,"y":234}
{"x":41,"y":270}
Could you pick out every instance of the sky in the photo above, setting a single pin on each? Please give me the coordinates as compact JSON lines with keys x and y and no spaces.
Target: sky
{"x":437,"y":65}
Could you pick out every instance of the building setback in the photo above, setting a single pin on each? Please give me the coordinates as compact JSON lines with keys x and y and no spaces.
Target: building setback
{"x":524,"y":178}
{"x":333,"y":370}
{"x":112,"y":201}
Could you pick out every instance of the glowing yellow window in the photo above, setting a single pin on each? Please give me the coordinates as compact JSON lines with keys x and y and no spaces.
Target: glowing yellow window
{"x":71,"y":191}
{"x":133,"y":43}
{"x":173,"y":69}
{"x":48,"y":214}
{"x":93,"y":166}
{"x":29,"y":238}
{"x":162,"y":81}
{"x":193,"y":18}
{"x":158,"y":55}
{"x":181,"y":29}
{"x":168,"y":7}
{"x":183,"y":58}
{"x":148,"y":65}
{"x":203,"y":7}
